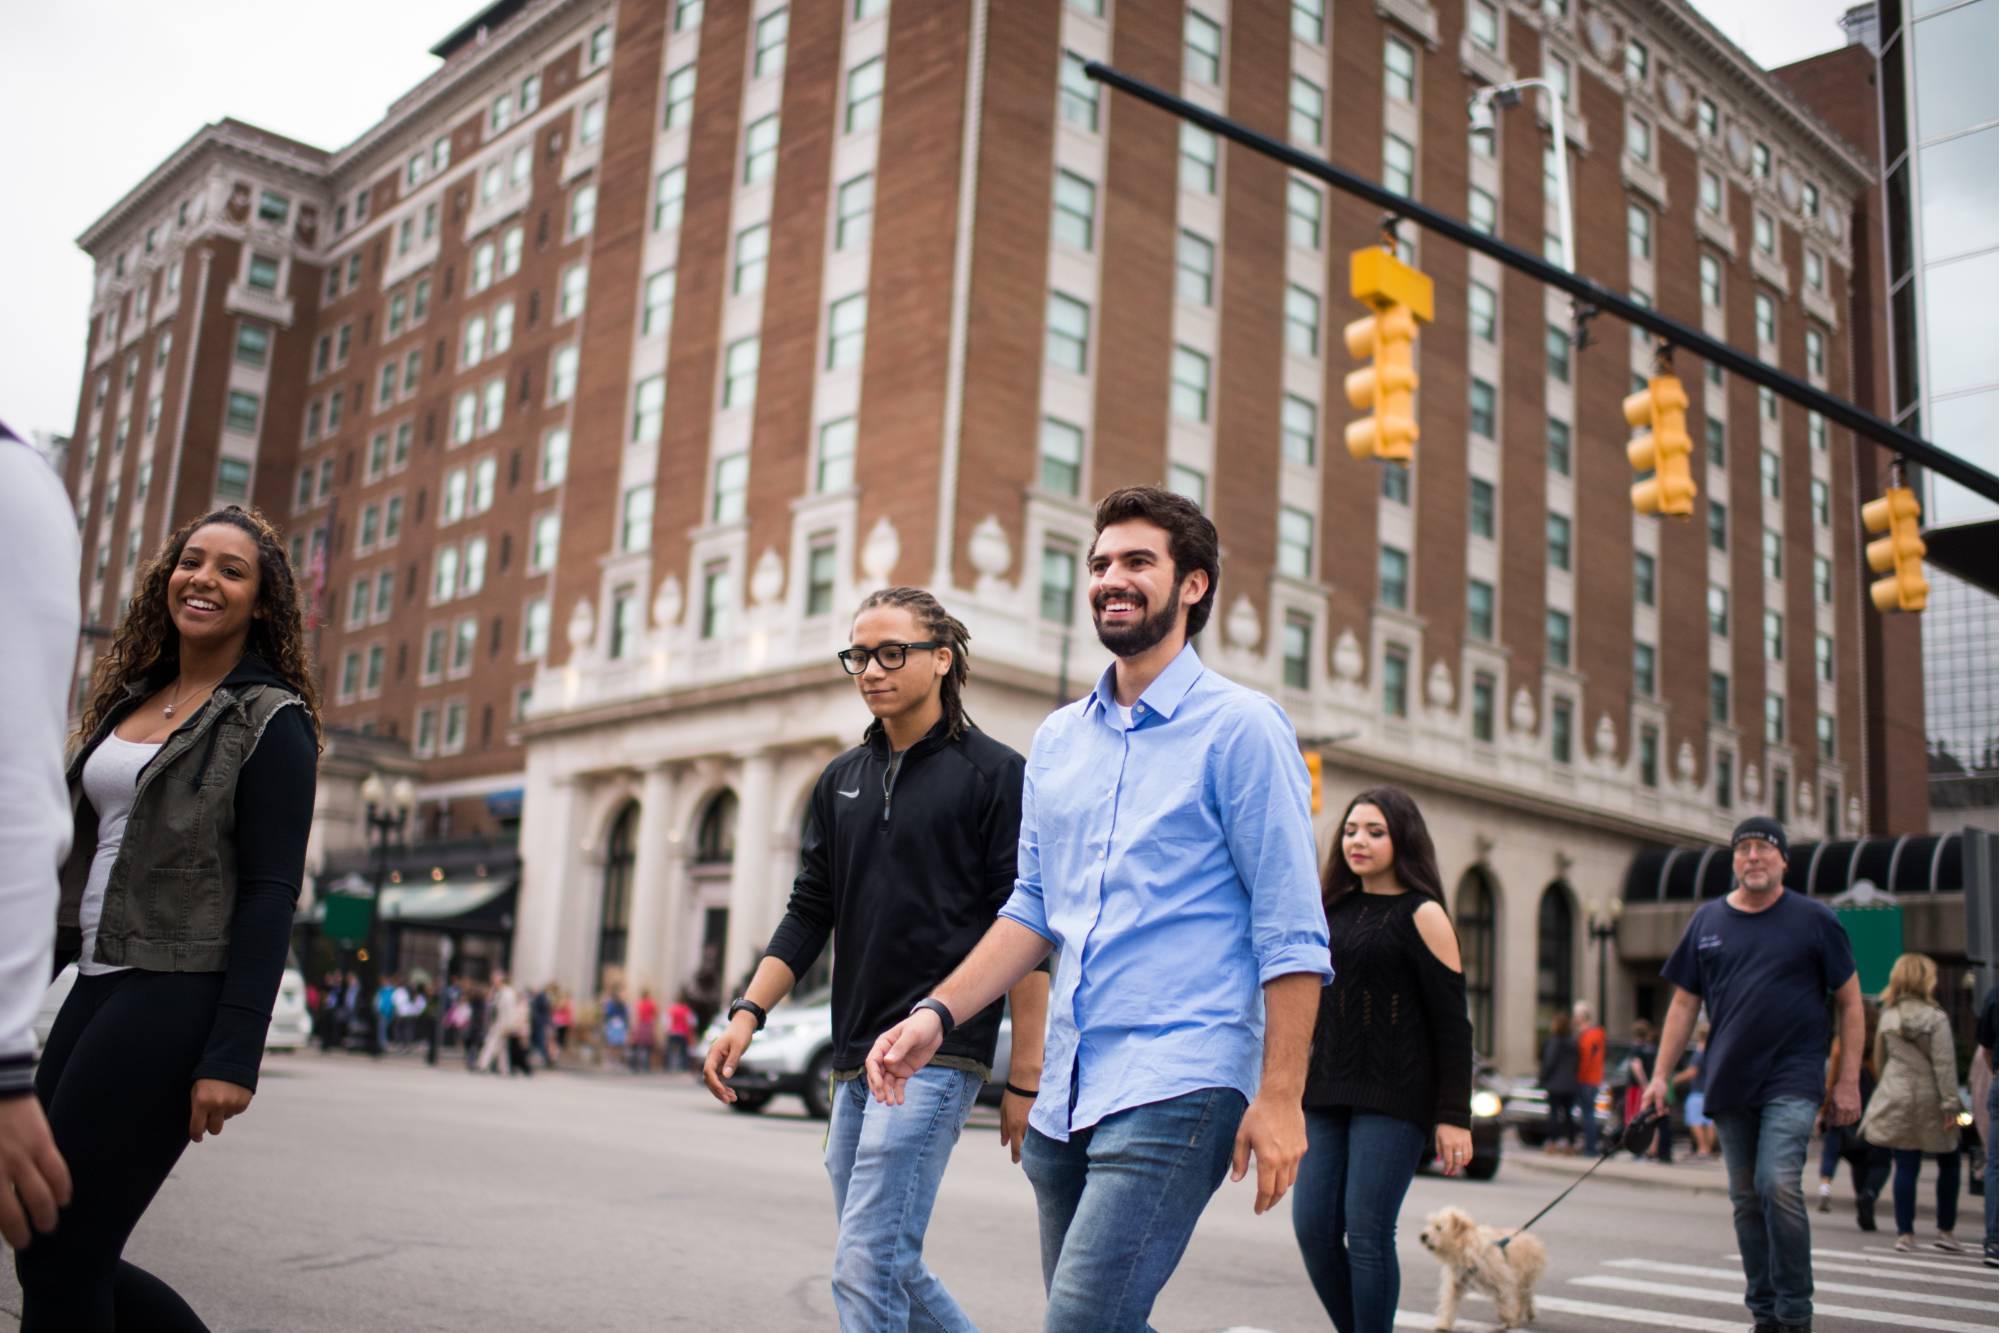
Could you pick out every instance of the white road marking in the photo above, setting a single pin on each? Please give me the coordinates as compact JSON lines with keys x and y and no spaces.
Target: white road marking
{"x":1837,"y":1288}
{"x":1412,"y":1319}
{"x":1967,"y":1258}
{"x":1865,"y":1265}
{"x":1617,"y":1314}
{"x":1713,"y":1297}
{"x":1888,"y":1256}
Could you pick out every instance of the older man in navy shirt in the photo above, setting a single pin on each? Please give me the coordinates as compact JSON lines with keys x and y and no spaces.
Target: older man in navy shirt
{"x":1167,"y":851}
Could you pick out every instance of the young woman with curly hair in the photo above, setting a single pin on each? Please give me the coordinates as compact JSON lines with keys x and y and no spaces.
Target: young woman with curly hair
{"x":192,"y":786}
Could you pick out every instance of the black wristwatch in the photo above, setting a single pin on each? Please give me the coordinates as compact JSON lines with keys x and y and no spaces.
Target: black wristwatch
{"x":941,"y":1009}
{"x":750,"y":1007}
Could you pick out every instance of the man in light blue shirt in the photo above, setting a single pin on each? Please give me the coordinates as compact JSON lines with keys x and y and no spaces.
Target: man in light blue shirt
{"x":1167,"y":851}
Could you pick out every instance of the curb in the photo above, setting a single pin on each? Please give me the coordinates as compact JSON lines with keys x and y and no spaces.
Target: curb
{"x":1694,"y":1179}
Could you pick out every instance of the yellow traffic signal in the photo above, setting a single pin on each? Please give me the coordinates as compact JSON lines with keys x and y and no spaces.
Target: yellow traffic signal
{"x":1312,"y":771}
{"x":1386,"y":387}
{"x":1661,"y":407}
{"x":1899,"y":553}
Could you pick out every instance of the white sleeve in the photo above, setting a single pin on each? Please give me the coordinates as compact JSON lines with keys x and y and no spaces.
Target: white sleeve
{"x":38,"y":609}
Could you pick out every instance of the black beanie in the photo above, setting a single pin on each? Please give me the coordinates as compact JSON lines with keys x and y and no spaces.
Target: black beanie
{"x":1766,"y":829}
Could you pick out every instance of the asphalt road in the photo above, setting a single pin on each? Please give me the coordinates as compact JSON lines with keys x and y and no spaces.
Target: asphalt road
{"x":357,"y":1196}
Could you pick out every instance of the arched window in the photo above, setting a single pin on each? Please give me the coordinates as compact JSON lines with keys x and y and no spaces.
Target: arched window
{"x":1555,"y":953}
{"x":715,"y":841}
{"x":615,"y":921}
{"x":1475,"y":912}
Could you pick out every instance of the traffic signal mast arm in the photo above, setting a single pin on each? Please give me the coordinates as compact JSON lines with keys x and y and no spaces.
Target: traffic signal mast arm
{"x":1837,"y":410}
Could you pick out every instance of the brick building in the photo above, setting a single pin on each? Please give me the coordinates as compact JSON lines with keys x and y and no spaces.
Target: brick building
{"x":640,"y":340}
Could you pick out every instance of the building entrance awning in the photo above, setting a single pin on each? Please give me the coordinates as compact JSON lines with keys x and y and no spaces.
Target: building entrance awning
{"x":448,"y":904}
{"x":1914,"y":864}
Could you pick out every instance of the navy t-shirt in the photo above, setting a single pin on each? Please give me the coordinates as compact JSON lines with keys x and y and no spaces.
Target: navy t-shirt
{"x":1764,"y":977}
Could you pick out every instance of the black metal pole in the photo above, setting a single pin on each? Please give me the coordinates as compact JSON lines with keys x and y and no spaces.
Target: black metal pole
{"x":1582,"y":289}
{"x":1603,"y":976}
{"x":378,"y":830}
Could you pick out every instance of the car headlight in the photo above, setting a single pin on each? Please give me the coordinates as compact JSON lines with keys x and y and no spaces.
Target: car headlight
{"x":1964,"y":1119}
{"x":1485,"y":1104}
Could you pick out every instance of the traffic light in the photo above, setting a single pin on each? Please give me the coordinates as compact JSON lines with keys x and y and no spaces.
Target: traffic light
{"x":1899,"y":554}
{"x":1386,"y":387}
{"x":1661,"y":407}
{"x":1312,"y":771}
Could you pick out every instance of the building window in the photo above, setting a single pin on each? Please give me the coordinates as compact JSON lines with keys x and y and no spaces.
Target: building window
{"x":1774,"y":719}
{"x":1309,"y":20}
{"x":854,"y":208}
{"x":669,"y":191}
{"x":820,"y":566}
{"x":1822,"y":578}
{"x":1393,"y":579}
{"x":1308,"y":119}
{"x":1767,"y":318}
{"x":1770,"y":472}
{"x":1639,"y":231}
{"x":1561,"y":728}
{"x":847,"y":327}
{"x":687,"y":14}
{"x":600,"y":46}
{"x":1559,"y":541}
{"x":1718,"y":526}
{"x":1068,"y":340}
{"x":732,"y":485}
{"x":253,"y":343}
{"x":554,"y":465}
{"x":679,"y":97}
{"x":1481,"y":211}
{"x":444,"y":574}
{"x":1298,"y":430}
{"x":1058,"y":584}
{"x":715,"y":594}
{"x":1824,"y":729}
{"x":635,"y":519}
{"x":1649,"y":757}
{"x":770,"y":43}
{"x":1558,"y":636}
{"x":1479,"y":609}
{"x":1203,"y":45}
{"x":834,"y":469}
{"x":649,"y":407}
{"x":582,"y":211}
{"x":1199,"y":155}
{"x":1767,"y":404}
{"x":1639,"y":140}
{"x":753,"y":248}
{"x":1296,"y":652}
{"x":1645,"y":673}
{"x":1396,"y":683}
{"x":1774,"y":554}
{"x":1482,"y":309}
{"x":1760,"y":160}
{"x":1480,"y":509}
{"x":1637,"y":60}
{"x":1556,"y":340}
{"x":590,"y":121}
{"x":263,"y":273}
{"x":739,"y":372}
{"x":1304,"y":207}
{"x":232,"y":479}
{"x":1399,"y":70}
{"x":1076,"y":211}
{"x":1195,"y":265}
{"x":1774,"y":636}
{"x":1815,"y":353}
{"x":1559,"y":447}
{"x":1480,"y":409}
{"x":243,"y":409}
{"x":864,"y":96}
{"x":1816,"y":270}
{"x":625,"y":622}
{"x":1711,"y":192}
{"x":1396,"y":483}
{"x":657,"y":304}
{"x":535,"y":628}
{"x":1482,"y":20}
{"x":1718,"y":696}
{"x":1062,"y":457}
{"x":1295,"y":542}
{"x":1184,"y":480}
{"x":760,"y":148}
{"x":1478,"y":929}
{"x":1188,"y":397}
{"x":1301,"y":321}
{"x":1823,"y":656}
{"x":1079,"y":94}
{"x":1711,"y":280}
{"x":543,"y":540}
{"x":1484,"y":690}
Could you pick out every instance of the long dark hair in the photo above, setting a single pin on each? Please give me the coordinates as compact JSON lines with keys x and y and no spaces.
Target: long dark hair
{"x":1416,"y":858}
{"x":950,"y":633}
{"x":148,"y":647}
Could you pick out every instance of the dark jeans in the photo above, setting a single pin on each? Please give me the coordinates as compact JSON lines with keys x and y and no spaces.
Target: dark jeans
{"x":1764,"y":1150}
{"x":1908,"y":1163}
{"x":1586,"y":1107}
{"x":115,"y":1081}
{"x":1357,"y":1168}
{"x":1562,"y":1117}
{"x":1118,"y":1202}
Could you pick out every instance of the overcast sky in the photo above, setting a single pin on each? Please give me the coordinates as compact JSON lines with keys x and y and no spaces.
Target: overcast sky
{"x":99,"y":93}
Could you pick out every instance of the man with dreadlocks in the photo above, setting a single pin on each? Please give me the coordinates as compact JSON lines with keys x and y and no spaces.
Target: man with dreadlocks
{"x":907,"y":856}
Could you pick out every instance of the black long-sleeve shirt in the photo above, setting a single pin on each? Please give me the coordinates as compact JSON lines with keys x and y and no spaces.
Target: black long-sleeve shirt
{"x":274,"y":809}
{"x":1393,"y":1036}
{"x":905,"y":864}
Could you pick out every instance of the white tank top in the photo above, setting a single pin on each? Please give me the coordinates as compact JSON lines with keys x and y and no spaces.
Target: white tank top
{"x":110,"y":780}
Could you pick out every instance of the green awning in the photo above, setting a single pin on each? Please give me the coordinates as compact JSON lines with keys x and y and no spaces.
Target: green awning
{"x":436,"y":903}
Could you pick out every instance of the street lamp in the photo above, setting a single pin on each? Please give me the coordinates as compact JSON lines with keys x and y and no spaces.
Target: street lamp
{"x":1502,"y":96}
{"x":388,"y":811}
{"x":1603,"y":920}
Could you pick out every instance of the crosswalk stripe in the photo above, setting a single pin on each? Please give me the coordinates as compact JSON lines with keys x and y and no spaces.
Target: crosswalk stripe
{"x":1822,"y":1265}
{"x":1888,"y":1256}
{"x":1712,"y":1296}
{"x":1411,"y":1319}
{"x":1837,"y":1288}
{"x":1615,"y":1314}
{"x":1942,"y":1258}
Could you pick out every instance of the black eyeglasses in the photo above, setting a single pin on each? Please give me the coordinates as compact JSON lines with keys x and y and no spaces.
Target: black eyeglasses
{"x":890,"y":655}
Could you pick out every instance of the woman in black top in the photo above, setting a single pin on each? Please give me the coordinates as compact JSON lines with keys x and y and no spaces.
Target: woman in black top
{"x":1558,"y":1080}
{"x":193,"y":794}
{"x":1391,"y":1069}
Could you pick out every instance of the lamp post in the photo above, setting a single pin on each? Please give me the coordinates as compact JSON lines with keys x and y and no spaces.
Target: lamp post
{"x":1501,"y":96}
{"x":1603,"y":920}
{"x":388,"y":811}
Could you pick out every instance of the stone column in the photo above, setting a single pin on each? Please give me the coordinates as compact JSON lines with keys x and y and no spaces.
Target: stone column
{"x":749,"y":881}
{"x":649,"y":875}
{"x":548,"y":868}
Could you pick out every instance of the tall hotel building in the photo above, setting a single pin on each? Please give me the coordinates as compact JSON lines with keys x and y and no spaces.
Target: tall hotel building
{"x":641,"y":340}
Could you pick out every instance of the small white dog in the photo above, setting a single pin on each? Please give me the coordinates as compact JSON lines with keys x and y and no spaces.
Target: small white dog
{"x":1473,"y":1258}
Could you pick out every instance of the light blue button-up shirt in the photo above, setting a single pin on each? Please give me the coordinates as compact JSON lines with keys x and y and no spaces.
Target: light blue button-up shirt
{"x":1172,"y":862}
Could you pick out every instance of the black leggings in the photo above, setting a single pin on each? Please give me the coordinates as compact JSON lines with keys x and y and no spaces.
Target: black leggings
{"x":115,"y":1079}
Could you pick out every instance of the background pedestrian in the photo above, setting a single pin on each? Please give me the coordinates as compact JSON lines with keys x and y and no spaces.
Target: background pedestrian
{"x":1559,"y":1084}
{"x":1914,"y":1113}
{"x":1589,"y":1071}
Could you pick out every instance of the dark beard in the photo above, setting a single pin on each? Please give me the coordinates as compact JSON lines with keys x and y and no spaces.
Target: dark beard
{"x":1142,"y":634}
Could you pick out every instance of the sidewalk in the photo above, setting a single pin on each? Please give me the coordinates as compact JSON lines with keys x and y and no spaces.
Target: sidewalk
{"x":1703,"y":1177}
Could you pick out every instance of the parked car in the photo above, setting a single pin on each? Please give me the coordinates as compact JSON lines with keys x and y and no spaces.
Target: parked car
{"x":1487,"y":1105}
{"x":291,"y":1025}
{"x":793,"y":1056}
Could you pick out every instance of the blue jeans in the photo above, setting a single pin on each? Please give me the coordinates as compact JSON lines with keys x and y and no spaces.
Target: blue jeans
{"x":1586,"y":1108}
{"x":1357,"y":1168}
{"x":1908,"y":1163}
{"x":885,"y":1163}
{"x":1764,"y":1150}
{"x":1118,"y":1202}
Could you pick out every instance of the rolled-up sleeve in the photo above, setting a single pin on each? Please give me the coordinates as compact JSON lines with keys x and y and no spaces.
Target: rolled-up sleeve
{"x":1025,"y":905}
{"x":1265,"y":800}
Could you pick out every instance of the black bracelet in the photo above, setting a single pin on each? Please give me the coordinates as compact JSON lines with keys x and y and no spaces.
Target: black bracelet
{"x":1029,"y":1093}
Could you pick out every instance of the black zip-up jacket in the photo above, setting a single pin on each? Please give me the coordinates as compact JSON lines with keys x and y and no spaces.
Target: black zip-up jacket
{"x":906,"y":876}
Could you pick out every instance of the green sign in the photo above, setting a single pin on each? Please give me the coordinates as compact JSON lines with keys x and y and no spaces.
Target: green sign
{"x":1877,"y":936}
{"x":348,"y":915}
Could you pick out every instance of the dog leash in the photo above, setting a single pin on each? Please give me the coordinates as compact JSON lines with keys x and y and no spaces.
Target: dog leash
{"x":1641,"y":1128}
